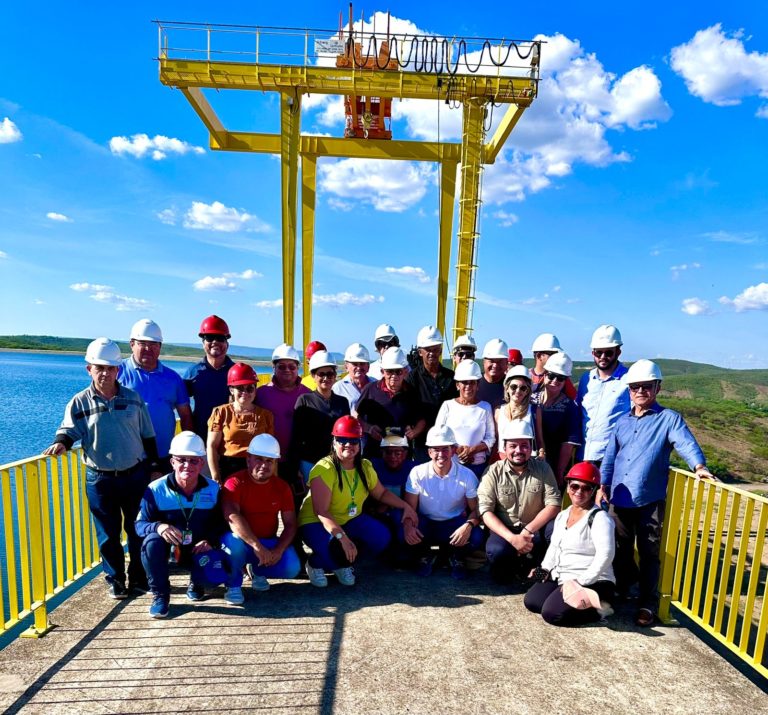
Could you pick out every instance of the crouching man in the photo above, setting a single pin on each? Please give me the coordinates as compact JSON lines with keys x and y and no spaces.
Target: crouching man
{"x":180,"y":510}
{"x":252,"y":499}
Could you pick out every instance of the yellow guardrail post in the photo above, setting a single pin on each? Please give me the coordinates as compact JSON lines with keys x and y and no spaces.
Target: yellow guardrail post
{"x":669,"y":545}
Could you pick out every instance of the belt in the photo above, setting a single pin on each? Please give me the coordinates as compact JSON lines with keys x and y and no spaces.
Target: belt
{"x":118,"y":472}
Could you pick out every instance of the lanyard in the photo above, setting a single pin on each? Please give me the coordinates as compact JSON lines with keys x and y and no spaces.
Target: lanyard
{"x":352,"y":489}
{"x":192,"y":511}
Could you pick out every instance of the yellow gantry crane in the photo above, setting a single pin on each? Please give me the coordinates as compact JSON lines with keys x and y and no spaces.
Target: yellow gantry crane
{"x":369,"y":70}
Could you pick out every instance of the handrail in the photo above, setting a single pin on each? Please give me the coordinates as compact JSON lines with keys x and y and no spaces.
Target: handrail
{"x":714,"y":564}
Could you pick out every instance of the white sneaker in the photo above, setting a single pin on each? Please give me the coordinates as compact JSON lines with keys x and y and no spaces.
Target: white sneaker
{"x":234,"y":596}
{"x":605,"y":610}
{"x":259,"y":583}
{"x":316,"y":576}
{"x":346,"y":576}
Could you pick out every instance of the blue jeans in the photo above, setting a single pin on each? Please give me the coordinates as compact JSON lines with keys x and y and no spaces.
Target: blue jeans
{"x":364,"y":530}
{"x":114,"y":503}
{"x":241,"y":554}
{"x":438,"y":533}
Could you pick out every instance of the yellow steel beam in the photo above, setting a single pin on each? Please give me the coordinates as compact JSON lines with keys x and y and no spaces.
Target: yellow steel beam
{"x":508,"y":123}
{"x":205,"y":111}
{"x":447,"y":196}
{"x":308,"y":199}
{"x":290,"y":121}
{"x":344,"y":81}
{"x":469,"y":207}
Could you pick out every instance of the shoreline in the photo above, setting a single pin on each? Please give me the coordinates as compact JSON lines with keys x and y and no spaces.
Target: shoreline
{"x":163,"y":356}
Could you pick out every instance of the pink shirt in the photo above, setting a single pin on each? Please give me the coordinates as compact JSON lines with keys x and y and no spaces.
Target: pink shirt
{"x":281,"y":404}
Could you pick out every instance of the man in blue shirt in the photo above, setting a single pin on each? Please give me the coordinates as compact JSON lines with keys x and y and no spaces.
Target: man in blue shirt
{"x":602,"y":394}
{"x":634,"y":474}
{"x":161,"y":388}
{"x":206,"y":380}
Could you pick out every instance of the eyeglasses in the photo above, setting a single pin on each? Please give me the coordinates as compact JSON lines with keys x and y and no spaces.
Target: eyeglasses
{"x":392,"y":372}
{"x":644,"y":386}
{"x":553,"y":377}
{"x":287,"y":366}
{"x":609,"y":353}
{"x":244,"y":388}
{"x":464,"y":354}
{"x":211,"y":338}
{"x":577,"y":487}
{"x":539,"y":353}
{"x":517,"y":388}
{"x":152,"y":344}
{"x":193,"y":461}
{"x":353,"y":441}
{"x":325,"y":375}
{"x":466,"y":383}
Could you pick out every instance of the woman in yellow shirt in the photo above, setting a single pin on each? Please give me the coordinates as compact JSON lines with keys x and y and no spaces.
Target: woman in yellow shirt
{"x":331,"y":519}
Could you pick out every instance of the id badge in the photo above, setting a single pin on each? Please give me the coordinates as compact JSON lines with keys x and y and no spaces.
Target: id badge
{"x":352,"y":509}
{"x":186,"y":537}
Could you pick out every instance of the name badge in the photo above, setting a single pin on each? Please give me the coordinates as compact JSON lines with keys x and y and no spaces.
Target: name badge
{"x":186,"y":537}
{"x":352,"y":509}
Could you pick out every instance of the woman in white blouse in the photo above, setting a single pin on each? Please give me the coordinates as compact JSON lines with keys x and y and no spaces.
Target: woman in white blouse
{"x":579,"y":555}
{"x":470,"y":419}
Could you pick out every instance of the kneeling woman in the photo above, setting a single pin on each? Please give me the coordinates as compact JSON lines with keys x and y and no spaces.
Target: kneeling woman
{"x":580,"y":554}
{"x":331,"y":519}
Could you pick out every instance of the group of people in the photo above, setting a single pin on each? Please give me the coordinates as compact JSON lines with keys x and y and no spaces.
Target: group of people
{"x":402,"y":457}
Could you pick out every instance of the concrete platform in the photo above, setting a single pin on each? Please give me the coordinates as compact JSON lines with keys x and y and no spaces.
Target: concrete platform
{"x":395,"y":643}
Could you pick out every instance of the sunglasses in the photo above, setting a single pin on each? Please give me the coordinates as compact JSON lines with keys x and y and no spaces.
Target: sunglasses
{"x":392,"y":372}
{"x":215,"y":338}
{"x":244,"y":388}
{"x":464,"y":354}
{"x":189,"y":460}
{"x":466,"y":383}
{"x":644,"y":386}
{"x":517,"y":388}
{"x":325,"y":375}
{"x":554,"y":377}
{"x":604,"y":353}
{"x":354,"y":441}
{"x":576,"y":487}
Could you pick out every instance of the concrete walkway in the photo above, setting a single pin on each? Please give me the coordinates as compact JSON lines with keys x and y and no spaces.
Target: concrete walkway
{"x":395,"y":643}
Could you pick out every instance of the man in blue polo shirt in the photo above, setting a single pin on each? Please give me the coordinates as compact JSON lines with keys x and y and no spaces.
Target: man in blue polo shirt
{"x":602,"y":395}
{"x":206,"y":380}
{"x":634,"y":474}
{"x":161,"y":388}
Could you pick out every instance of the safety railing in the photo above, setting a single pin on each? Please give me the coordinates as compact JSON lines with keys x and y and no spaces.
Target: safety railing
{"x":714,"y":563}
{"x":48,"y":540}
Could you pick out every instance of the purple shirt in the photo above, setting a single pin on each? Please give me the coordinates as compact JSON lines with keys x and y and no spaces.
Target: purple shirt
{"x":281,"y":403}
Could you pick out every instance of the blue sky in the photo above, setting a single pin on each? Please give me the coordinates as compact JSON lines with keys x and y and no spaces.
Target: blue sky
{"x":632,"y":192}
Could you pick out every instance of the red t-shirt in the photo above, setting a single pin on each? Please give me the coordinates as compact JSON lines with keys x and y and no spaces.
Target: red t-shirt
{"x":259,"y":503}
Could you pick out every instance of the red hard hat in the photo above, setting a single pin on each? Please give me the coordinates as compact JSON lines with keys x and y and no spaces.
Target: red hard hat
{"x":515,"y":357}
{"x":214,"y":325}
{"x":241,"y":374}
{"x":347,"y":427}
{"x":313,"y":347}
{"x":584,"y":472}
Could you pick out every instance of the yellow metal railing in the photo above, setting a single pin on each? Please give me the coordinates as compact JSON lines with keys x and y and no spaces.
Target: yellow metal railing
{"x":714,"y":563}
{"x":48,"y":536}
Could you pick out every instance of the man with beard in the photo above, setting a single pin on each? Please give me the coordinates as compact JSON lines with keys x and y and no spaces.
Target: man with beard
{"x":602,"y":393}
{"x":518,"y":500}
{"x":495,"y":363}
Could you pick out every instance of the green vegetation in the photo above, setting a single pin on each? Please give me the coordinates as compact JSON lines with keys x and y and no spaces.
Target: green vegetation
{"x":78,"y":345}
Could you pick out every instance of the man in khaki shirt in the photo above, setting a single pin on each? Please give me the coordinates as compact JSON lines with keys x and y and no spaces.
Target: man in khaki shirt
{"x":518,"y":500}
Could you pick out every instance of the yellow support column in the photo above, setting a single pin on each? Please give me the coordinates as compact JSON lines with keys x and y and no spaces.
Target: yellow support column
{"x":447,"y":196}
{"x":290,"y":121}
{"x":469,"y":208}
{"x":308,"y":198}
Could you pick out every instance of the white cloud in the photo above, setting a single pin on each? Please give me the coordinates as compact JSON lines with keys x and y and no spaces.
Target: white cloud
{"x":105,"y":294}
{"x":218,"y":217}
{"x":391,"y":186}
{"x":37,"y":301}
{"x":53,"y":216}
{"x":269,"y":304}
{"x":411,"y":271}
{"x":677,"y":270}
{"x":139,"y":145}
{"x":340,"y":205}
{"x":218,"y":283}
{"x":85,"y":287}
{"x":3,"y":254}
{"x":506,"y":219}
{"x":752,"y":298}
{"x":695,"y":306}
{"x":246,"y":275}
{"x":9,"y":132}
{"x":744,"y":239}
{"x":338,"y":300}
{"x":167,"y":216}
{"x":717,"y":67}
{"x":762,"y":112}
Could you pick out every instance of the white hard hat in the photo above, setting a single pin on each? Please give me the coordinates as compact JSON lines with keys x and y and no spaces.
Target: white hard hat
{"x":103,"y":351}
{"x":560,"y":364}
{"x":517,"y":371}
{"x":357,"y":352}
{"x":146,"y":329}
{"x":429,"y":336}
{"x":285,"y":352}
{"x":440,"y":436}
{"x":546,"y":343}
{"x":496,"y":349}
{"x":466,"y":342}
{"x":384,"y":332}
{"x":322,"y":358}
{"x":394,"y":440}
{"x":393,"y":359}
{"x":606,"y":336}
{"x":467,"y":370}
{"x":642,"y":371}
{"x":187,"y":444}
{"x":516,"y":429}
{"x":264,"y":445}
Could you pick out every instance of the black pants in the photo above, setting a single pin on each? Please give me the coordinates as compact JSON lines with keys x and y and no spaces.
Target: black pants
{"x":547,"y":598}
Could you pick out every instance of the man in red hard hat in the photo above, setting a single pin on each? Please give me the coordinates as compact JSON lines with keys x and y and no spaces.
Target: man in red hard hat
{"x":206,"y":380}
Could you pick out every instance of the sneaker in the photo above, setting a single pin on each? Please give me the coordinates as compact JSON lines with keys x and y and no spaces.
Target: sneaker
{"x":195,"y":592}
{"x":259,"y":583}
{"x":117,"y":591}
{"x":426,"y":564}
{"x":233,"y":595}
{"x":159,"y":606}
{"x":605,"y":610}
{"x":458,"y":570}
{"x":346,"y":576}
{"x":316,"y":576}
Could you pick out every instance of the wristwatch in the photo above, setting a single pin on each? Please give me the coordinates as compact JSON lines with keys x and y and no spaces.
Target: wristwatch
{"x":338,"y":535}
